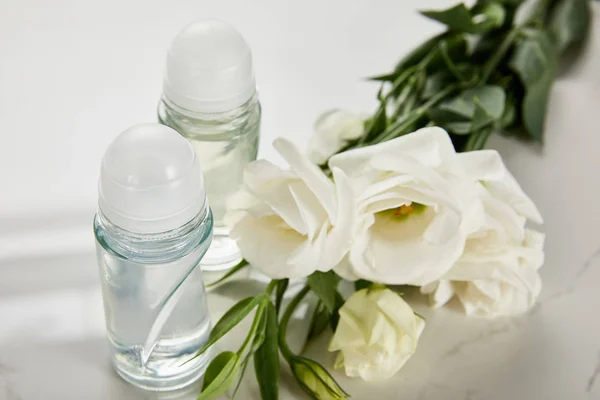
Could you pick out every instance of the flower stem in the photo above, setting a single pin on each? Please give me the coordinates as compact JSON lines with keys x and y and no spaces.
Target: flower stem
{"x":283,"y":346}
{"x":241,"y":265}
{"x":493,"y":62}
{"x":255,"y":326}
{"x":397,"y":128}
{"x":271,"y":287}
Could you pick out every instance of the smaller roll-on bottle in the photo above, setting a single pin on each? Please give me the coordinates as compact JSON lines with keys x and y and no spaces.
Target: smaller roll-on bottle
{"x":209,"y":97}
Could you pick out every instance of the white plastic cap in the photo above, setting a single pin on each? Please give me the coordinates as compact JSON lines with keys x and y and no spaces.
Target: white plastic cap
{"x":150,"y":180}
{"x":209,"y":68}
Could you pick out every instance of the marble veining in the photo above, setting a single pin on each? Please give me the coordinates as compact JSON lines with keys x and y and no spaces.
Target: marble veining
{"x":481,"y":337}
{"x":592,"y":379}
{"x":571,"y":288}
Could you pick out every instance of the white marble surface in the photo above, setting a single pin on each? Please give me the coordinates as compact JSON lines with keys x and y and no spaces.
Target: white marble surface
{"x":74,"y":73}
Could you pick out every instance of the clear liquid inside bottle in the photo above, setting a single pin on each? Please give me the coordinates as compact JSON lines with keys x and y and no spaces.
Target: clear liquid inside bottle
{"x":225,"y":143}
{"x":155,"y":302}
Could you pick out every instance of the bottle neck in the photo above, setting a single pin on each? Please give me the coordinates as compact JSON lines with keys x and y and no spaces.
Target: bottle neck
{"x":225,"y":117}
{"x":154,"y":247}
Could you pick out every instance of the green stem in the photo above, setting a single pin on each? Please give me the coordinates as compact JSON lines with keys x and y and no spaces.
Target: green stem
{"x":377,"y":286}
{"x":255,"y":324}
{"x":397,"y":127}
{"x":271,"y":287}
{"x":477,"y":139}
{"x":493,"y":62}
{"x":283,"y":346}
{"x":404,"y":95}
{"x":424,"y":63}
{"x":449,"y":63}
{"x":406,"y":75}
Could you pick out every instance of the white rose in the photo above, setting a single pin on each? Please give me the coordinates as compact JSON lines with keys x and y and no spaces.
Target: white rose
{"x":289,"y":223}
{"x":416,"y":209}
{"x":333,"y":130}
{"x":497,"y":274}
{"x":376,"y":334}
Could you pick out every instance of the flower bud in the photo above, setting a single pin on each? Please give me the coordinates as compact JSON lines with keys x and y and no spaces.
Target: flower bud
{"x":377,"y":333}
{"x":315,"y":380}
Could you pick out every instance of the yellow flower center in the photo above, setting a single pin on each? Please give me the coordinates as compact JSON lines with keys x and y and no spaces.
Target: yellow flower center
{"x":404,"y":210}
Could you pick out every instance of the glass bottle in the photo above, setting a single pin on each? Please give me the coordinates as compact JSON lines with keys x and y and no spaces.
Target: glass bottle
{"x":152,"y":228}
{"x":209,"y":97}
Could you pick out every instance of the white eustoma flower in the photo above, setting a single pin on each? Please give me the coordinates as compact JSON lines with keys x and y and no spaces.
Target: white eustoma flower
{"x":498,"y":272}
{"x":333,"y":129}
{"x":376,"y":334}
{"x":289,"y":223}
{"x":416,"y":209}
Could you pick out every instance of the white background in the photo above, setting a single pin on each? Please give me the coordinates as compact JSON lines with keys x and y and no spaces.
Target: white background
{"x":73,"y":74}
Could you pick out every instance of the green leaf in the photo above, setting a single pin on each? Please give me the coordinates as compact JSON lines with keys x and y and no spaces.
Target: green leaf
{"x":427,"y":56}
{"x":459,"y":128}
{"x":254,"y":340}
{"x":378,"y":123}
{"x":510,"y":113}
{"x":459,"y":18}
{"x":282,"y":286}
{"x":231,"y":318}
{"x":569,"y":22}
{"x":534,"y":61}
{"x":484,"y":116}
{"x":443,"y":117}
{"x":455,"y":47}
{"x":259,"y":327}
{"x":334,"y":317}
{"x":510,"y":3}
{"x":241,"y":265}
{"x":489,"y":15}
{"x":384,"y":78}
{"x":266,"y":358}
{"x":490,"y":98}
{"x":318,"y":322}
{"x":435,"y":83}
{"x":471,"y":109}
{"x":220,"y":375}
{"x":417,"y":54}
{"x":324,"y":285}
{"x":362,"y":284}
{"x":240,"y":377}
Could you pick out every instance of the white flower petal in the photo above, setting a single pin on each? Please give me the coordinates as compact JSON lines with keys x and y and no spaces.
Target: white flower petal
{"x":340,"y":235}
{"x":271,"y":185}
{"x":397,"y":310}
{"x":429,"y":145}
{"x":333,"y":129}
{"x":345,"y":270}
{"x":411,"y":167}
{"x":306,"y":258}
{"x":396,"y":253}
{"x":487,"y":166}
{"x":440,"y":292}
{"x":291,"y":223}
{"x":376,"y":335}
{"x":267,"y":246}
{"x":313,"y":214}
{"x":314,"y":178}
